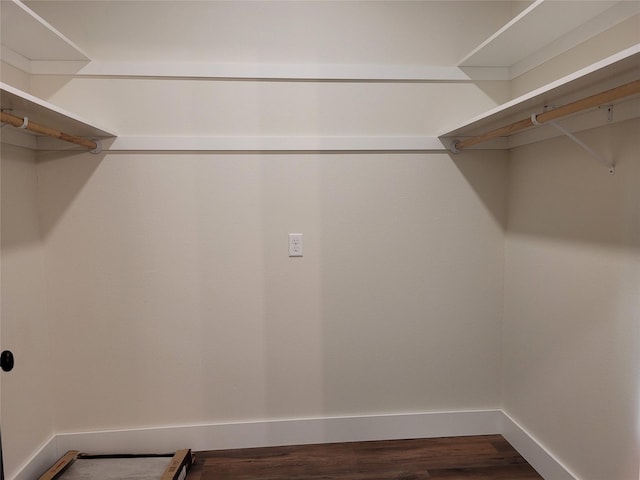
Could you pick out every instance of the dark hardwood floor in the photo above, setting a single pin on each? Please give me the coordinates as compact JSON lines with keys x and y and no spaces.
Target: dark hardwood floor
{"x":487,"y":457}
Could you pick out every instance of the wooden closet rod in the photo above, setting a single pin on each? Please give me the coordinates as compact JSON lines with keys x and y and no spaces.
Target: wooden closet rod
{"x":50,"y":132}
{"x":601,"y":98}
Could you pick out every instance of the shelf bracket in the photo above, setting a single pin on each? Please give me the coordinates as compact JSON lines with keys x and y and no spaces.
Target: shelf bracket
{"x":609,"y":112}
{"x":591,"y":151}
{"x":98,"y":148}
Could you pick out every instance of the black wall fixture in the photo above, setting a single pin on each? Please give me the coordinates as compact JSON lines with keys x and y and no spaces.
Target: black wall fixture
{"x":7,"y":361}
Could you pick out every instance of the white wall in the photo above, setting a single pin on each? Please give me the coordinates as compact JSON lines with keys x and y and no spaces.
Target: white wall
{"x":173,"y":266}
{"x":175,"y":302}
{"x":27,"y":405}
{"x":188,"y":107}
{"x":169,"y":291}
{"x":572,"y":309}
{"x":170,"y":295}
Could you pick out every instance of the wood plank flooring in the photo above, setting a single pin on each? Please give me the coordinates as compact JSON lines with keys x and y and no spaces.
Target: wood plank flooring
{"x":487,"y":457}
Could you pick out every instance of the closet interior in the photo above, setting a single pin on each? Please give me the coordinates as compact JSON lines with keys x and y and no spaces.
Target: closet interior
{"x":465,"y":175}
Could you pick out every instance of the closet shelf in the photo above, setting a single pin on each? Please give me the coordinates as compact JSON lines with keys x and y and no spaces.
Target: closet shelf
{"x":545,"y":29}
{"x":22,"y":104}
{"x":612,"y":72}
{"x":27,"y":37}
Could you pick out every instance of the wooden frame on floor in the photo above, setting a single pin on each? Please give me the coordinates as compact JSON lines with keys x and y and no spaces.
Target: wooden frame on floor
{"x":177,"y":469}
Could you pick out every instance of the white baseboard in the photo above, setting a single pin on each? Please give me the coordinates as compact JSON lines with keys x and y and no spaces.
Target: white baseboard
{"x":299,"y":432}
{"x":285,"y":432}
{"x":533,"y":451}
{"x":38,"y":463}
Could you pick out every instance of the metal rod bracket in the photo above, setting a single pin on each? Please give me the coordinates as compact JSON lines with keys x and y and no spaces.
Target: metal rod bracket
{"x":609,"y":112}
{"x":587,"y":148}
{"x":98,"y":148}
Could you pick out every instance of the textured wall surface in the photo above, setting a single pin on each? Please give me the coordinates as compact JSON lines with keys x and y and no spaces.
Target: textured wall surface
{"x":27,"y":407}
{"x":572,"y":309}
